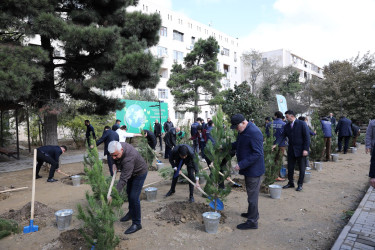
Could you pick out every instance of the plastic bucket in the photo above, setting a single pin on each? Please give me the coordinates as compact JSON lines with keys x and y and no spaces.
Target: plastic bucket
{"x":357,"y":144}
{"x":275,"y":191}
{"x":335,"y":157}
{"x":318,"y":166}
{"x":211,"y":222}
{"x":353,"y":150}
{"x":307,"y":177}
{"x":151,"y":193}
{"x":76,"y":179}
{"x":159,"y":165}
{"x":63,"y":218}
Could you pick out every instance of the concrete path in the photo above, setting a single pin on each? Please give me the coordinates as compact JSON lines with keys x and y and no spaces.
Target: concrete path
{"x":27,"y":162}
{"x":359,"y":233}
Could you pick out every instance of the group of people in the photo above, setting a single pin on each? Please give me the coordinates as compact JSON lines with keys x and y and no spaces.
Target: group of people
{"x":287,"y":131}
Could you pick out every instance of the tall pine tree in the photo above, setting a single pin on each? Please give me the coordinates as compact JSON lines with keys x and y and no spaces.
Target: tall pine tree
{"x":190,"y":85}
{"x":85,"y":47}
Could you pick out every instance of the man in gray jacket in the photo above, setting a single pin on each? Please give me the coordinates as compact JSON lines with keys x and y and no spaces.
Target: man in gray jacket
{"x":133,"y":174}
{"x":370,"y":143}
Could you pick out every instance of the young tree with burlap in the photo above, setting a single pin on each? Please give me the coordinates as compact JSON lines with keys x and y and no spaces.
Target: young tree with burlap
{"x":99,"y":215}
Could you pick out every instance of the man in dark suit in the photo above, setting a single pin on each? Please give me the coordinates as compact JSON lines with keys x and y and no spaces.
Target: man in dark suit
{"x":116,"y":125}
{"x":51,"y":155}
{"x":157,"y":132}
{"x":151,"y":138}
{"x":344,"y":130}
{"x":108,"y":136}
{"x":332,"y":119}
{"x":89,"y":130}
{"x":299,"y":142}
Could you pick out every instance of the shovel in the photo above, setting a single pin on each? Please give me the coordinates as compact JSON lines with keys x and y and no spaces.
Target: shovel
{"x":31,"y":227}
{"x":219,"y":203}
{"x":235,"y":184}
{"x":111,"y":186}
{"x":157,"y":160}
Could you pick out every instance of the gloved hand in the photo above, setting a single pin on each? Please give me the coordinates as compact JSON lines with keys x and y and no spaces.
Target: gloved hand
{"x":175,"y":169}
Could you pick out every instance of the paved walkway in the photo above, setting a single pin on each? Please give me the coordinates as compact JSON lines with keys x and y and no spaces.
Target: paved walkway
{"x":359,"y":233}
{"x":27,"y":162}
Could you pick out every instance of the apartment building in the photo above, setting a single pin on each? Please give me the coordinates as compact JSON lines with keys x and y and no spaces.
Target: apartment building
{"x":178,"y":34}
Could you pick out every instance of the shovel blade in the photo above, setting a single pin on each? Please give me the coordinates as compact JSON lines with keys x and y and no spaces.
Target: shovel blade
{"x":236,"y":185}
{"x":30,"y":228}
{"x":219,"y":205}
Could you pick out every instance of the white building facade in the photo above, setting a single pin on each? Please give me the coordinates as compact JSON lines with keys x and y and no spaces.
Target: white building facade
{"x":178,"y":34}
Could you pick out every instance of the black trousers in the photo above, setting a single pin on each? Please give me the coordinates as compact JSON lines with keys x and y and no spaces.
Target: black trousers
{"x":346,"y":146}
{"x":195,"y":146}
{"x":191,"y":177}
{"x":301,"y":161}
{"x":168,"y":151}
{"x":41,"y":158}
{"x":161,"y":143}
{"x":372,"y":163}
{"x":252,"y":189}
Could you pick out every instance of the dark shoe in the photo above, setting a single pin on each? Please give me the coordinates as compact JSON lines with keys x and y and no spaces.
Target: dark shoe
{"x":38,"y":176}
{"x":51,"y":180}
{"x":245,"y":215}
{"x":170,"y":192}
{"x":127,"y":217}
{"x":133,"y":228}
{"x":299,"y":188}
{"x":191,"y":199}
{"x":246,"y":226}
{"x":289,"y":185}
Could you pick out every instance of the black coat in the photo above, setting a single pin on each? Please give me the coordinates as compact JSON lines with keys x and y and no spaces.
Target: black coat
{"x":167,"y":126}
{"x":170,"y":138}
{"x":53,"y":151}
{"x":151,"y":138}
{"x":157,"y":129}
{"x":174,"y":158}
{"x":344,"y":127}
{"x":107,"y":137}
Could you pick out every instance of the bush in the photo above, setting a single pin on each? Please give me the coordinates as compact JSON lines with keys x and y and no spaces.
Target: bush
{"x":8,"y":227}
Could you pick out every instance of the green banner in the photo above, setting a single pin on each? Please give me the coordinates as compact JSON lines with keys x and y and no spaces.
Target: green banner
{"x":138,"y":115}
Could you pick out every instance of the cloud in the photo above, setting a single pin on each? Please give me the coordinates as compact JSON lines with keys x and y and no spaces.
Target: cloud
{"x":318,"y":30}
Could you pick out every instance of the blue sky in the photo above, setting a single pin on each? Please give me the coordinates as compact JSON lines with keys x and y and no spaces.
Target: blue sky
{"x":321,"y":31}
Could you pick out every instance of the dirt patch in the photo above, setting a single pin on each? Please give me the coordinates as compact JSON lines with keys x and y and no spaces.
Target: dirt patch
{"x":72,"y":240}
{"x":181,"y":212}
{"x":42,"y":214}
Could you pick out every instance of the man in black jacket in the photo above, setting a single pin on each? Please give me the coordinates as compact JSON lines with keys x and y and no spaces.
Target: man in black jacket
{"x":49,"y":154}
{"x":168,"y":125}
{"x":170,"y":141}
{"x":344,"y":130}
{"x":183,"y":154}
{"x":89,"y":129}
{"x":151,"y":138}
{"x":108,"y":136}
{"x":157,"y":132}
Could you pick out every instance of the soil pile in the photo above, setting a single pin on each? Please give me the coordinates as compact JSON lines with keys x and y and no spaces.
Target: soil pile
{"x":178,"y":212}
{"x":42,"y":213}
{"x":72,"y":240}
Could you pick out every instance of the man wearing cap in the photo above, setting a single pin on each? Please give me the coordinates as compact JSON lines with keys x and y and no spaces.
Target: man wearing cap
{"x":299,"y":142}
{"x":250,"y":158}
{"x":133,"y":174}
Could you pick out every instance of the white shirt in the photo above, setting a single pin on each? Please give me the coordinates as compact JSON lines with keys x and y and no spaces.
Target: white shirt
{"x":122,"y":134}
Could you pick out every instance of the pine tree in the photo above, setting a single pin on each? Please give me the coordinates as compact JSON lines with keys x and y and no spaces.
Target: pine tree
{"x":198,"y":78}
{"x":145,"y":150}
{"x":86,"y":47}
{"x":220,"y":155}
{"x":99,"y":215}
{"x":317,"y":141}
{"x":272,"y":168}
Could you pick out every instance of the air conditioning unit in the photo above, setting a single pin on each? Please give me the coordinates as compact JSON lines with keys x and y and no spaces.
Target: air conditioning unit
{"x":222,"y":52}
{"x":190,"y":47}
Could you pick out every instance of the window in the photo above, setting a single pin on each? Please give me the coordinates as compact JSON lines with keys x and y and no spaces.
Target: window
{"x":264,"y":59}
{"x":178,"y":36}
{"x":163,"y":93}
{"x":178,"y":56}
{"x":217,"y":66}
{"x":163,"y":73}
{"x":163,"y":31}
{"x":254,"y":63}
{"x":192,"y":40}
{"x":225,"y":52}
{"x":253,"y":76}
{"x":206,"y":114}
{"x":235,"y":56}
{"x":235,"y":70}
{"x":179,"y":115}
{"x":162,"y":51}
{"x":226,"y":69}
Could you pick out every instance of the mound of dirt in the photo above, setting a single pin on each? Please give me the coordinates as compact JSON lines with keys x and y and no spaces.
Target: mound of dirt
{"x":72,"y":240}
{"x":42,"y":213}
{"x":239,"y":181}
{"x":184,"y":211}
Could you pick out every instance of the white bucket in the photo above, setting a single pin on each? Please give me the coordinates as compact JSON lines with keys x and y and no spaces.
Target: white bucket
{"x":63,"y":218}
{"x":318,"y":166}
{"x":353,"y":150}
{"x":211,"y":222}
{"x":357,"y":144}
{"x":335,"y":157}
{"x":76,"y":179}
{"x":151,"y":193}
{"x":307,"y":177}
{"x":159,"y":165}
{"x":275,"y":191}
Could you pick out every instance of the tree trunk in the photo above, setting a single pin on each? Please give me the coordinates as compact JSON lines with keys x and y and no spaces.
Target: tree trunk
{"x":50,"y":129}
{"x":196,"y":104}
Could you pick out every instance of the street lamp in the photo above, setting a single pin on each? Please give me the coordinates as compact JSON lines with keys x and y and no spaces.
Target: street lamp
{"x":158,"y":105}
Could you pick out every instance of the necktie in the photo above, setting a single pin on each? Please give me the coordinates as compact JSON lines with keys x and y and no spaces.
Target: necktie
{"x":291,"y":125}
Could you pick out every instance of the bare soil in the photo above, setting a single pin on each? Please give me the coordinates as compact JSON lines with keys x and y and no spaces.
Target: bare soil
{"x":311,"y":219}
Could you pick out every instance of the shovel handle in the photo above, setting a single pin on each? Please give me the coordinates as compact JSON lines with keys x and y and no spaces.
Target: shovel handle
{"x":61,"y":172}
{"x":151,"y":183}
{"x":33,"y":186}
{"x":111,"y":186}
{"x":192,"y":183}
{"x":229,"y":179}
